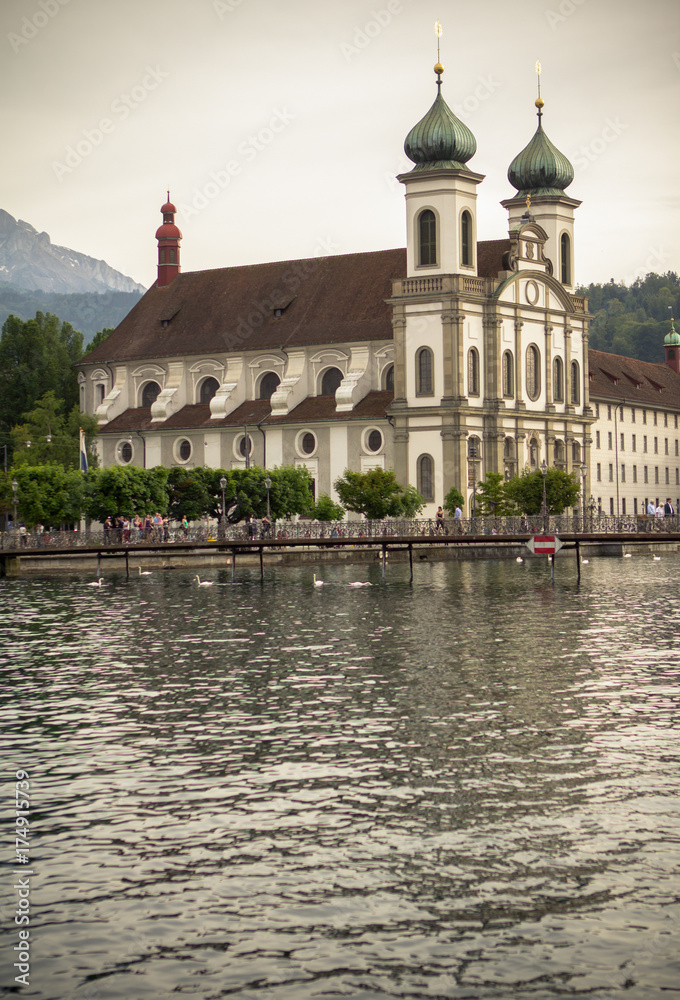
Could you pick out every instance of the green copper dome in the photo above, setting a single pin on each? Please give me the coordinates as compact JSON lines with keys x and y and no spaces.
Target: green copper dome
{"x":440,"y":139}
{"x":540,"y":168}
{"x":672,"y":338}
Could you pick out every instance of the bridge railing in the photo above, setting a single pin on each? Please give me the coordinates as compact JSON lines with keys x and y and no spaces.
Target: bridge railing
{"x":312,"y":531}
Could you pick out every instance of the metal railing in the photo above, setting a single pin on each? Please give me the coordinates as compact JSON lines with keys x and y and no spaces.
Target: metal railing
{"x":410,"y":528}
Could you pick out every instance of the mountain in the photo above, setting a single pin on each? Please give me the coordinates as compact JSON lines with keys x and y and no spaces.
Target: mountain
{"x":87,"y":312}
{"x":30,"y":261}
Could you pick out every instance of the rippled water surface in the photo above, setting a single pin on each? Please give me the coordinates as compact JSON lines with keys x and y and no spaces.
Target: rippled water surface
{"x":468,"y":788}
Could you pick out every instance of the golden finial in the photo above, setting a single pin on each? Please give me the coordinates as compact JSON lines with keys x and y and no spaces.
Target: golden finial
{"x":438,"y":30}
{"x":539,"y":100}
{"x":528,"y":202}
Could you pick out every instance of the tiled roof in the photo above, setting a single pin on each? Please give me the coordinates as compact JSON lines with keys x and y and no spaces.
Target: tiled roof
{"x":322,"y":300}
{"x":635,"y":382}
{"x":490,"y":257}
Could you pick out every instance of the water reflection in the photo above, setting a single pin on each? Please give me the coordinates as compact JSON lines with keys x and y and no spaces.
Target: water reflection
{"x":468,"y":788}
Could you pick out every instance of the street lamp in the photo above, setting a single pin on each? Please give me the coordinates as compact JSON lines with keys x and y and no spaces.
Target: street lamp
{"x":223,"y":486}
{"x":544,"y":473}
{"x":584,"y":473}
{"x":15,"y":497}
{"x":268,"y":484}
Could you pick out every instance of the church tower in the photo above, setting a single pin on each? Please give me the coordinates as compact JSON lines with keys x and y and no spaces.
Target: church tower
{"x":672,"y":348}
{"x":541,"y":173}
{"x":441,"y":193}
{"x":168,"y":236}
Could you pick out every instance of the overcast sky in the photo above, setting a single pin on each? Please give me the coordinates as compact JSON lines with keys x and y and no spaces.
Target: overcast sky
{"x":278,"y":125}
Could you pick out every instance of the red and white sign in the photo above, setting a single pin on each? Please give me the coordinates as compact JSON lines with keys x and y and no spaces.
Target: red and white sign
{"x":544,"y":545}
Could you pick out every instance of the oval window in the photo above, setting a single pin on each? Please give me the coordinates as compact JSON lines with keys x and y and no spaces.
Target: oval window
{"x":126,"y":452}
{"x":375,"y":441}
{"x":308,"y":443}
{"x":184,"y":450}
{"x":245,"y":445}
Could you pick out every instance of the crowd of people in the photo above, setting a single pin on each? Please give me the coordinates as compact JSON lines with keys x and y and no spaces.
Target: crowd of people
{"x":150,"y":528}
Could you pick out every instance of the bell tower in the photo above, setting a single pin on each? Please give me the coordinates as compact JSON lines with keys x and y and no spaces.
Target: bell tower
{"x":168,"y":236}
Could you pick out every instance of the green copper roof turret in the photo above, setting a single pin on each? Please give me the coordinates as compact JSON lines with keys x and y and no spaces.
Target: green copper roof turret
{"x":540,"y":168}
{"x":440,"y":139}
{"x":672,"y":338}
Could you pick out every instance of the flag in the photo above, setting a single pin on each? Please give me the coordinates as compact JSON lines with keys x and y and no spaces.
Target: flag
{"x":83,"y":452}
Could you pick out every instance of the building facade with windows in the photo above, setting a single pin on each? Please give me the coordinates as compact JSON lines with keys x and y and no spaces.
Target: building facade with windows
{"x":445,"y":360}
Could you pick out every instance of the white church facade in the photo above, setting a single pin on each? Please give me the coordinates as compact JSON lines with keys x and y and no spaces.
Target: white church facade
{"x":445,"y":360}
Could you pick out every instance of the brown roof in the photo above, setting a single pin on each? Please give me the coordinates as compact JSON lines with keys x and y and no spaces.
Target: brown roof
{"x":490,"y":257}
{"x":312,"y":409}
{"x":626,"y":379}
{"x":322,"y":300}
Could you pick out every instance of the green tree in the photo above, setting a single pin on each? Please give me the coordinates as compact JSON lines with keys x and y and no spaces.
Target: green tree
{"x":290,"y":492}
{"x":454,"y":498}
{"x":562,"y":491}
{"x":48,"y":494}
{"x":126,"y":490}
{"x":187,"y":494}
{"x":100,"y":337}
{"x":48,"y":437}
{"x":492,"y":497}
{"x":376,"y":494}
{"x":326,"y":509}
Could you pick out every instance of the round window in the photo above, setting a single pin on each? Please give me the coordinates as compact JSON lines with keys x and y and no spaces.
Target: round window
{"x":308,"y":443}
{"x":126,"y":452}
{"x":374,"y":441}
{"x":245,"y":445}
{"x":184,"y":450}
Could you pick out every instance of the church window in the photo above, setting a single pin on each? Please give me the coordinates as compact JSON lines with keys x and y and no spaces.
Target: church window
{"x":466,"y":239}
{"x":245,"y":445}
{"x":533,"y":372}
{"x":424,"y":369}
{"x":427,"y":238}
{"x":308,"y":443}
{"x":374,"y":441}
{"x":508,"y":375}
{"x":172,"y":256}
{"x":558,"y":380}
{"x":565,"y":259}
{"x":473,"y":372}
{"x":269,"y":383}
{"x":100,"y":393}
{"x":183,"y":450}
{"x":332,"y":378}
{"x":426,"y":477}
{"x":389,"y":379}
{"x":150,"y":394}
{"x":161,"y":257}
{"x":575,"y":383}
{"x":125,"y":453}
{"x":209,"y":387}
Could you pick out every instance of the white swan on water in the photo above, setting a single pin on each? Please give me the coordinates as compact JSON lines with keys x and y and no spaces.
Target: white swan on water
{"x":144,"y":572}
{"x":317,"y":583}
{"x":203,"y":583}
{"x":358,"y":583}
{"x":97,"y":583}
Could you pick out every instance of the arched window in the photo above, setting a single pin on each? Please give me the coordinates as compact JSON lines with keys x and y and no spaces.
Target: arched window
{"x":426,"y":477}
{"x":508,"y":375}
{"x":269,"y":383}
{"x":424,"y":372}
{"x":565,"y":259}
{"x":332,"y":378}
{"x":389,"y":379}
{"x":473,"y":372}
{"x":558,"y":381}
{"x":533,"y":372}
{"x":466,"y":239}
{"x":575,"y":383}
{"x":150,"y":394}
{"x":427,"y":238}
{"x":209,"y":387}
{"x":100,"y":393}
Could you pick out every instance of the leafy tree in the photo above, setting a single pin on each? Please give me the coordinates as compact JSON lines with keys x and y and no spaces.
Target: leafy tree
{"x":47,"y":437}
{"x":126,"y":490}
{"x":376,"y":494}
{"x":187,"y":494}
{"x":100,"y":337}
{"x":326,"y":509}
{"x":562,"y":491}
{"x":454,"y":498}
{"x":48,"y":494}
{"x":245,"y":494}
{"x":493,"y":499}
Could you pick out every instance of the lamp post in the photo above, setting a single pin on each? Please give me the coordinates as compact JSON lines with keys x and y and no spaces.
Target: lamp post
{"x":268,"y":484}
{"x":15,"y":498}
{"x":584,"y":473}
{"x":544,"y":510}
{"x":223,"y":486}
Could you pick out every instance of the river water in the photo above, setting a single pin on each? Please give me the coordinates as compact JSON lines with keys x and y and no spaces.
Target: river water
{"x":468,"y":788}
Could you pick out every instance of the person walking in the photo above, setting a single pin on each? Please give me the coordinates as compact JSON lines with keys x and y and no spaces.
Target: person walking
{"x":439,"y":519}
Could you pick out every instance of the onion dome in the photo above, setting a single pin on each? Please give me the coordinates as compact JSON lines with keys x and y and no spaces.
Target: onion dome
{"x":440,"y":139}
{"x":672,"y":338}
{"x":540,"y":168}
{"x":168,"y":230}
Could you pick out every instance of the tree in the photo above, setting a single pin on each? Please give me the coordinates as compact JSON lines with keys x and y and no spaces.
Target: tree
{"x":245,"y":494}
{"x":48,"y":494}
{"x":47,"y":437}
{"x":326,"y":509}
{"x":493,"y":499}
{"x":125,"y":490}
{"x":562,"y":491}
{"x":187,"y":494}
{"x":454,"y":498}
{"x":100,"y":337}
{"x":376,"y":494}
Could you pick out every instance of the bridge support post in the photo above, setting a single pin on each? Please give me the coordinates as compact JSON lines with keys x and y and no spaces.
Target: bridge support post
{"x":261,"y":566}
{"x":384,"y":561}
{"x":410,"y":562}
{"x":127,"y":565}
{"x":99,"y":564}
{"x":578,"y":562}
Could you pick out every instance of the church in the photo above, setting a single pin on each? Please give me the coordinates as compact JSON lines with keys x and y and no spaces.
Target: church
{"x":444,"y":361}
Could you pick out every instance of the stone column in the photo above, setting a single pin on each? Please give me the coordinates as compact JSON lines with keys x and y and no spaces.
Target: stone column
{"x":549,"y":401}
{"x":519,"y":366}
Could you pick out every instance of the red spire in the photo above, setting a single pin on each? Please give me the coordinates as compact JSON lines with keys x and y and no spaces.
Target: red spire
{"x":168,"y":236}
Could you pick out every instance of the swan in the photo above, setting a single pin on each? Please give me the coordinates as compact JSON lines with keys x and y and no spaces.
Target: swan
{"x":97,"y":583}
{"x":317,"y":583}
{"x":519,"y":559}
{"x":656,"y":558}
{"x":203,"y":583}
{"x":358,"y":583}
{"x":585,"y":561}
{"x":628,"y":555}
{"x":144,"y":572}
